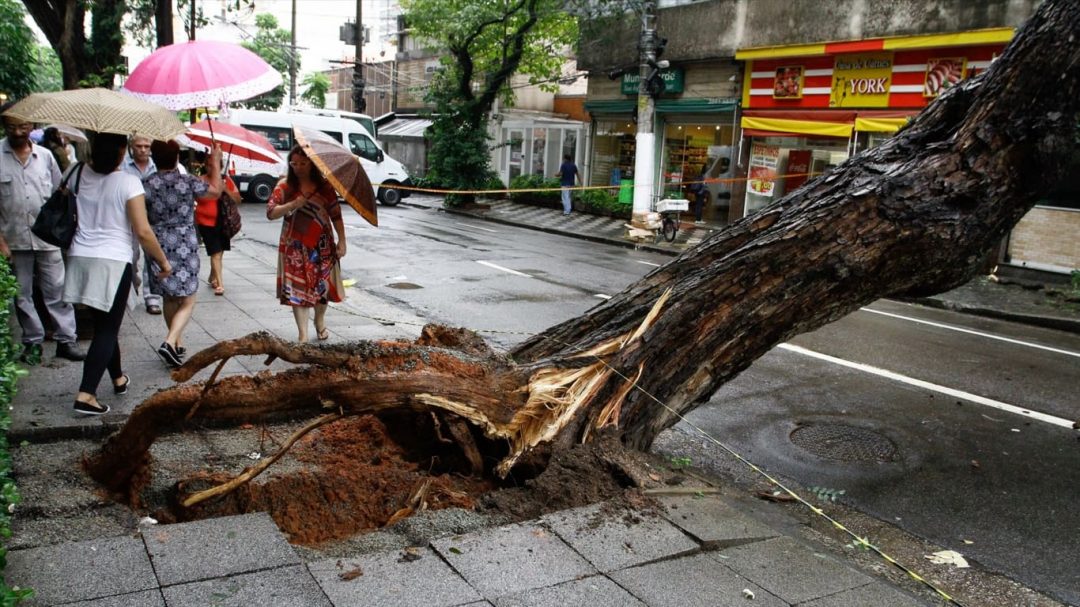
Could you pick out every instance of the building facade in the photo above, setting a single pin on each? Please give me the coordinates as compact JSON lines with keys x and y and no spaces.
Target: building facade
{"x":787,"y":88}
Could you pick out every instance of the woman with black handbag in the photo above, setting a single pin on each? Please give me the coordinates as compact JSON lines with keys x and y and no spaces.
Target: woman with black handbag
{"x":211,"y":224}
{"x":111,"y":211}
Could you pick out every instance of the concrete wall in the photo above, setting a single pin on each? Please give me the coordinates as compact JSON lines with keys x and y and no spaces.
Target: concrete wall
{"x":410,"y":152}
{"x":716,"y":28}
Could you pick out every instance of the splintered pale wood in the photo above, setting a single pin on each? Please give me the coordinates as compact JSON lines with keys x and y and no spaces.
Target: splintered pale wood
{"x":915,"y":215}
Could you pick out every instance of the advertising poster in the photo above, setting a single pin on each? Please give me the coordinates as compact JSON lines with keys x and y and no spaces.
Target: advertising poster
{"x":941,"y":74}
{"x":798,"y":168}
{"x":788,"y":82}
{"x":763,"y":159}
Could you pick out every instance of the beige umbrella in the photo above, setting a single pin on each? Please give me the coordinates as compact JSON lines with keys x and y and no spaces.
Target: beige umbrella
{"x":100,"y":110}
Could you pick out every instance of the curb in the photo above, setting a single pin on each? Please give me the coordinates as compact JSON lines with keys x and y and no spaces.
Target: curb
{"x":1049,"y":322}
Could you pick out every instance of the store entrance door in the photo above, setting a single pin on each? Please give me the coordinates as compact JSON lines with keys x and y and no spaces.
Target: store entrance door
{"x":515,"y":154}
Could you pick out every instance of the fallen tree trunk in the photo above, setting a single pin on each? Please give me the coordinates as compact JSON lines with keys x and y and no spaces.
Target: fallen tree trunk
{"x":915,"y":215}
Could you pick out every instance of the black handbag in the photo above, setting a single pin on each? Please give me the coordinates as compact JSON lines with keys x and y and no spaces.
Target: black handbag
{"x":58,"y":217}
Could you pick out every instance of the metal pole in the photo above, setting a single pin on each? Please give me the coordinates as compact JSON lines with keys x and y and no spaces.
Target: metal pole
{"x":191,"y":34}
{"x":645,"y":141}
{"x":359,"y":103}
{"x":292,"y":58}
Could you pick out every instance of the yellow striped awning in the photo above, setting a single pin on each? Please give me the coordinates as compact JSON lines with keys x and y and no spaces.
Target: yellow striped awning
{"x":879,"y":125}
{"x":802,"y":127}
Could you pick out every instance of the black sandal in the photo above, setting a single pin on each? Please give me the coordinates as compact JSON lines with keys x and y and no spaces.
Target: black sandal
{"x":122,"y":388}
{"x":89,"y":409}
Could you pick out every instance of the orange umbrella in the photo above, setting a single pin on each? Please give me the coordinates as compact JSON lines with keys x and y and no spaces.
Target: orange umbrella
{"x":341,"y":169}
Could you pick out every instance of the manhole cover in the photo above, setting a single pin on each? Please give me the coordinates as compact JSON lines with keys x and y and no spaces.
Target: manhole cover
{"x":404,"y":285}
{"x":843,"y":443}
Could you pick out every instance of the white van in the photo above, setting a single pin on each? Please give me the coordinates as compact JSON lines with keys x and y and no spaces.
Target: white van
{"x":366,"y":121}
{"x":257,"y":185}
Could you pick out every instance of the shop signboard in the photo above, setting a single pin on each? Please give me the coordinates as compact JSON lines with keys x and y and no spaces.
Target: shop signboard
{"x":861,"y":80}
{"x":788,"y":82}
{"x":674,"y":81}
{"x":763,"y":160}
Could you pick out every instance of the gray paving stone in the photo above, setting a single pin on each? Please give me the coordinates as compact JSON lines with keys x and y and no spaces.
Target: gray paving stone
{"x":81,"y":571}
{"x":713,"y":522}
{"x":876,"y":594}
{"x":285,"y":587}
{"x":616,"y":539}
{"x":510,"y":559}
{"x":790,"y":570}
{"x":692,"y":581}
{"x":189,"y":552}
{"x":595,"y":591}
{"x":146,"y":598}
{"x":427,"y":581}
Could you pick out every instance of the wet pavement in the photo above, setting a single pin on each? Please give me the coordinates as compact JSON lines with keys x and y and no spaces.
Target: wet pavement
{"x":707,"y":548}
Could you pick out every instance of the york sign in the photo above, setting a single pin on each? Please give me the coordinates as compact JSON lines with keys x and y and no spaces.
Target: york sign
{"x":861,"y":80}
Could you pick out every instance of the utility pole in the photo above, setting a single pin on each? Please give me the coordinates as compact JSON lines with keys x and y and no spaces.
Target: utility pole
{"x":359,"y":103}
{"x":292,"y":59}
{"x":645,"y":141}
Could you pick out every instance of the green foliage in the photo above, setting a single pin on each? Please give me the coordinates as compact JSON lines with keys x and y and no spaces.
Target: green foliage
{"x":317,"y":85}
{"x":18,"y":47}
{"x":602,"y":202}
{"x":1074,"y":280}
{"x":827,"y":495}
{"x":678,"y":463}
{"x":459,"y":158}
{"x":10,"y":372}
{"x":272,"y":44}
{"x":47,"y":74}
{"x":550,"y":197}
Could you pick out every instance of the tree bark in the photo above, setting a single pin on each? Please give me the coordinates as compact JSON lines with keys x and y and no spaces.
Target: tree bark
{"x":913,"y":216}
{"x":163,"y":23}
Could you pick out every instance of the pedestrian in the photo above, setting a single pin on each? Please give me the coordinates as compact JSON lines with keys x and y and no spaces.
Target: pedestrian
{"x":309,"y":274}
{"x":568,"y":175}
{"x":28,"y":176}
{"x":701,"y":196}
{"x":209,"y":224}
{"x":112,"y":215}
{"x":170,"y":208}
{"x":55,"y":141}
{"x":139,"y":163}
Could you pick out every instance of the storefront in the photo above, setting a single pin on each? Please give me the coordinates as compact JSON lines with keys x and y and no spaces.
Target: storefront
{"x":695,"y":135}
{"x":809,"y":107}
{"x":530,"y":145}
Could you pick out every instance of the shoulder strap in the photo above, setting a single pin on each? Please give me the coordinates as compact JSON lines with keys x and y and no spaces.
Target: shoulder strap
{"x":78,"y":177}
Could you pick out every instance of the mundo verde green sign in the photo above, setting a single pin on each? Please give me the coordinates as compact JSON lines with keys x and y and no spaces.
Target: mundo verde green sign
{"x":674,"y":79}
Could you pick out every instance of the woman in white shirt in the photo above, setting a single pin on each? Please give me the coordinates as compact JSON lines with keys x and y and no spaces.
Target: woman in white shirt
{"x":112,"y":211}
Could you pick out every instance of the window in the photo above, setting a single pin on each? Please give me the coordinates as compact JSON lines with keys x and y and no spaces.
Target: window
{"x":363,"y":147}
{"x":280,"y":138}
{"x":334,"y":134}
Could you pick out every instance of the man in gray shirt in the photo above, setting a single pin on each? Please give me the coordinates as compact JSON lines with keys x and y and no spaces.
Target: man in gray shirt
{"x":139,"y":163}
{"x":28,"y":176}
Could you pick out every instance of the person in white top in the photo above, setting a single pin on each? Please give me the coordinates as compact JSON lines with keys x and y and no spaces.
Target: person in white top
{"x":112,"y":214}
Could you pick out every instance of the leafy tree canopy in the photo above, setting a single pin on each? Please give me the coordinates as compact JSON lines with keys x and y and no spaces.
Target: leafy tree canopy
{"x":317,"y":85}
{"x":272,"y":43}
{"x":18,"y":47}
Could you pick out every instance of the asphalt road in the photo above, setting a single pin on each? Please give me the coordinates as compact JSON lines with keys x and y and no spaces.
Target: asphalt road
{"x":842,"y":407}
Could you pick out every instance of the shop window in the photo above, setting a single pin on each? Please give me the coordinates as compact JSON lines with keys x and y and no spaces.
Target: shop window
{"x":539,"y":146}
{"x":697,"y":166}
{"x":613,"y":152}
{"x":778,"y":165}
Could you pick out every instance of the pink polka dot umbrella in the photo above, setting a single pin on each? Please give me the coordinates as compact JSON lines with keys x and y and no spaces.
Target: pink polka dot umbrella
{"x":200,"y":73}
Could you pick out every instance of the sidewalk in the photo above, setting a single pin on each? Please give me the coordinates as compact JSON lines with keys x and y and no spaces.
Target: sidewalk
{"x":689,"y":550}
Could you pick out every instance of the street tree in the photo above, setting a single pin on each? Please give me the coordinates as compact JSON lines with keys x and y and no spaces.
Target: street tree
{"x":48,"y":76}
{"x":86,"y":60}
{"x":485,"y":44}
{"x":18,"y":47}
{"x":273,"y":44}
{"x":914,"y":216}
{"x":317,"y":85}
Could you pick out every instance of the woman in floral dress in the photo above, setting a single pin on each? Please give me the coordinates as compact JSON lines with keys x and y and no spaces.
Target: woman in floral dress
{"x":309,"y":275}
{"x":170,"y":207}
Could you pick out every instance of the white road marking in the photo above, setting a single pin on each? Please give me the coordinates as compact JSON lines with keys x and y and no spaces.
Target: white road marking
{"x":648,"y":263}
{"x":602,"y":296}
{"x":498,"y":267}
{"x":981,"y":400}
{"x":972,"y":332}
{"x":458,"y":223}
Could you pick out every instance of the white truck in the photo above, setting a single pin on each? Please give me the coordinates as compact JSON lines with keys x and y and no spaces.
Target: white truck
{"x":257,"y":184}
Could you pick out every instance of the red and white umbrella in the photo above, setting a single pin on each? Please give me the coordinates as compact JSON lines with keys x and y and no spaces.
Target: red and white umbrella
{"x":235,"y":141}
{"x":200,"y":73}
